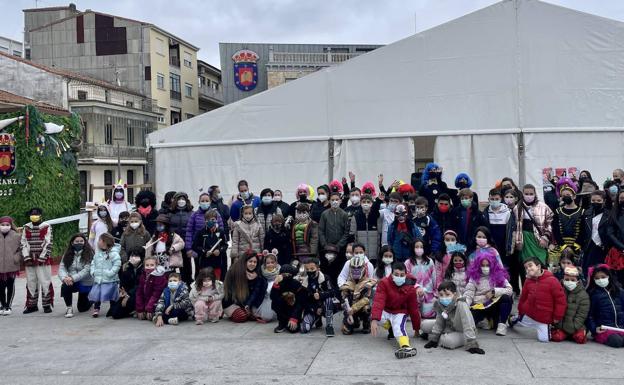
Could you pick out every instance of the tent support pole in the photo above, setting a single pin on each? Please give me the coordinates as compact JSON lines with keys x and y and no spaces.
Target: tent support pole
{"x":521,"y":163}
{"x":330,"y":159}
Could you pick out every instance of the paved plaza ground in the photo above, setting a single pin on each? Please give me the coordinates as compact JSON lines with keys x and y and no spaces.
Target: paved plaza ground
{"x":49,"y":349}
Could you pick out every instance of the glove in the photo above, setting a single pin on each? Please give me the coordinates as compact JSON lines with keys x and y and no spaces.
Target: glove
{"x":431,"y":344}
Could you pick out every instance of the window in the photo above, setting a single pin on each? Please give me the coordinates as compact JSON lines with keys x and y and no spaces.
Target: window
{"x":143,"y":135}
{"x":161,"y":119}
{"x":108,"y":181}
{"x":160,"y":81}
{"x":188,"y":60}
{"x":148,"y":73}
{"x":82,"y":95}
{"x":108,"y":134}
{"x":83,"y":188}
{"x":129,"y":136}
{"x":160,"y":46}
{"x":175,"y":86}
{"x":188,"y":90}
{"x":130,"y":181}
{"x":129,"y":104}
{"x":85,"y":137}
{"x":215,"y":86}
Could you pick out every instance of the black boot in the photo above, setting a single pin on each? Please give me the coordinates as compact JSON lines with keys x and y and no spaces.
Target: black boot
{"x":366,"y":324}
{"x":47,"y":309}
{"x":29,"y":310}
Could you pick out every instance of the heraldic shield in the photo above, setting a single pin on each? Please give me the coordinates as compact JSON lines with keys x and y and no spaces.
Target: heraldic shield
{"x":245,"y":69}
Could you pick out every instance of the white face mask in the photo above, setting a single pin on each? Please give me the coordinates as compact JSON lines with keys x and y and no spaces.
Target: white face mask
{"x":5,"y":228}
{"x":355,"y":200}
{"x":277,"y":198}
{"x":366,"y":206}
{"x":387,"y":260}
{"x":182,"y":203}
{"x":602,"y":282}
{"x":135,"y":260}
{"x":335,"y":204}
{"x":134,"y":225}
{"x":359,"y":255}
{"x":322,"y":198}
{"x":248,"y":217}
{"x":570,"y":285}
{"x":485,"y":270}
{"x":450,"y":243}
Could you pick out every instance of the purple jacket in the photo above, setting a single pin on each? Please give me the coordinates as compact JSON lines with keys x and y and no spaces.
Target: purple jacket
{"x":196,"y":223}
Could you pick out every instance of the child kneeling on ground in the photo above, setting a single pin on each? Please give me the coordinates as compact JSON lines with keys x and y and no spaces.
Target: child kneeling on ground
{"x":454,"y":325}
{"x":206,"y":296}
{"x":174,"y":304}
{"x":542,"y":302}
{"x":288,"y":299}
{"x":573,"y":323}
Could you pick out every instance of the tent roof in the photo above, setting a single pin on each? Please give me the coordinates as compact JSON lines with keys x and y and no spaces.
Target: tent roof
{"x":515,"y":65}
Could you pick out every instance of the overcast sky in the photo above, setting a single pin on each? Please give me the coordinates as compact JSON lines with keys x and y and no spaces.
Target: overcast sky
{"x":205,"y":23}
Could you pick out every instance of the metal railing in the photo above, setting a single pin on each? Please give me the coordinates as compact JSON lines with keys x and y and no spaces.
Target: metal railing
{"x":210,"y":92}
{"x":174,"y":61}
{"x":322,"y":58}
{"x":176,"y":95}
{"x":88,"y":150}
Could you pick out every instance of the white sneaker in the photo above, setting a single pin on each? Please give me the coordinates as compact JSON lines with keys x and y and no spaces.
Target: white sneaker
{"x":7,"y":311}
{"x":173,"y":321}
{"x":69,"y":313}
{"x":501,"y":329}
{"x":484,"y":324}
{"x":1,"y":311}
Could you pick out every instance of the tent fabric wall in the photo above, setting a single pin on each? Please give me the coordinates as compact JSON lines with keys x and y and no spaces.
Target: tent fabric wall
{"x":598,"y":152}
{"x":367,"y":158}
{"x":275,"y":165}
{"x":485,"y":158}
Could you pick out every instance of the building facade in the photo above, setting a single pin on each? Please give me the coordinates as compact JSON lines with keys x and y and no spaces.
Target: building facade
{"x":11,"y":47}
{"x":115,"y":121}
{"x":277,"y":64}
{"x":133,"y":54}
{"x":210,"y":87}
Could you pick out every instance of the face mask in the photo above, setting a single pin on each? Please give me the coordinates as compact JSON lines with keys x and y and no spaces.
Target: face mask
{"x":217,"y":196}
{"x":359,"y":255}
{"x":123,"y":223}
{"x":182,"y":203}
{"x":443,"y":208}
{"x":420,"y":212}
{"x":210,"y":224}
{"x":567,"y":200}
{"x":529,"y":198}
{"x":245,"y":195}
{"x":466,"y":203}
{"x":495,"y":204}
{"x":145,"y":211}
{"x":303,"y":198}
{"x":570,"y":285}
{"x":399,"y":281}
{"x":349,"y":255}
{"x":459,"y":265}
{"x":204,"y":205}
{"x":134,"y":225}
{"x":277,"y":198}
{"x":613,"y":189}
{"x":366,"y":206}
{"x":78,"y":247}
{"x":173,"y":285}
{"x":276,"y":227}
{"x":135,"y":260}
{"x":248,"y":217}
{"x":387,"y":261}
{"x":322,"y":198}
{"x":301,"y":216}
{"x":616,"y":180}
{"x":598,"y":207}
{"x":450,"y":243}
{"x":510,"y":201}
{"x":119,"y":195}
{"x":382,"y":206}
{"x":481,"y":242}
{"x":267,"y":200}
{"x":446,"y":301}
{"x":435,"y":174}
{"x":602,"y":282}
{"x":148,"y":271}
{"x":5,"y":229}
{"x":392,"y":206}
{"x":160,"y":228}
{"x":311,"y":274}
{"x":35,"y":218}
{"x":355,"y":200}
{"x":485,"y":270}
{"x":419,"y":251}
{"x":102,"y":214}
{"x":335,"y":204}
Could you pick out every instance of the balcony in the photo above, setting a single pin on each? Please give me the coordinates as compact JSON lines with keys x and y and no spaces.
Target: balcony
{"x":105,"y":151}
{"x":84,"y":92}
{"x":176,"y":95}
{"x":174,"y":61}
{"x":206,"y":92}
{"x":310,"y":58}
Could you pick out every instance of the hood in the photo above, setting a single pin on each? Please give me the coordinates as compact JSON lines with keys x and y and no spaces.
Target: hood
{"x":503,"y":209}
{"x":146,"y":195}
{"x":116,"y":248}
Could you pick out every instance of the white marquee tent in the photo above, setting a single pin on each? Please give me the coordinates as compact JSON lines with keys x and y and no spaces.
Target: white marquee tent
{"x":506,"y":90}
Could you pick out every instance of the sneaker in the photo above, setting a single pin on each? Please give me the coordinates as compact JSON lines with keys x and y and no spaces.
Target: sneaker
{"x":405,"y":352}
{"x":513,"y":320}
{"x":1,"y":311}
{"x":29,"y":310}
{"x":47,"y":309}
{"x":346,"y":330}
{"x":7,"y":311}
{"x":199,"y":322}
{"x":423,"y":336}
{"x":279,"y":329}
{"x":501,"y":329}
{"x":214,"y":320}
{"x":484,"y":324}
{"x":173,"y":321}
{"x":95,"y":313}
{"x":69,"y":313}
{"x":329,"y":331}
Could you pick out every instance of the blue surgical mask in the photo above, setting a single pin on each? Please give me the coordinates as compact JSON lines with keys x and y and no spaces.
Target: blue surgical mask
{"x":445,"y":301}
{"x":613,"y":189}
{"x":495,"y":204}
{"x":267,"y":200}
{"x":399,"y":281}
{"x":160,"y":228}
{"x":210,"y":224}
{"x":173,"y":285}
{"x":204,"y":205}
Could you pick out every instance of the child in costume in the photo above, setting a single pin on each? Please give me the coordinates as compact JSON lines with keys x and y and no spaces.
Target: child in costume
{"x":321,"y":300}
{"x":36,"y":251}
{"x":356,"y":295}
{"x":422,"y":268}
{"x":118,"y":203}
{"x":288,"y":299}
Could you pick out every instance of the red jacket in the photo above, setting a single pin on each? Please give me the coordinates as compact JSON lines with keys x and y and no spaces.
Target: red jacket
{"x":543,"y":299}
{"x":149,"y":290}
{"x":397,"y":300}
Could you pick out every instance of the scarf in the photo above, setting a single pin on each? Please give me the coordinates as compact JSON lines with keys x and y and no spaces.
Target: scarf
{"x":251,"y":275}
{"x":269,"y":276}
{"x":402,"y":227}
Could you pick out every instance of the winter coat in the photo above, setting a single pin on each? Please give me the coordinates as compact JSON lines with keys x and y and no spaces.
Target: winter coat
{"x":281,"y":242}
{"x":178,"y":222}
{"x":444,"y":221}
{"x":403,"y":243}
{"x":334,"y":228}
{"x":180,"y":301}
{"x":605,"y":309}
{"x":246,"y":236}
{"x":615,"y":232}
{"x":603,"y":229}
{"x":78,"y":271}
{"x":257,"y":289}
{"x":465,"y":224}
{"x":458,"y":320}
{"x":543,"y":299}
{"x":430,"y":231}
{"x":237,"y":205}
{"x":264,"y":214}
{"x":204,"y":241}
{"x":577,"y":310}
{"x":497,"y":222}
{"x":174,"y":252}
{"x":132,"y":239}
{"x":320,"y":285}
{"x":542,"y":215}
{"x":30,"y":242}
{"x":289,"y":286}
{"x":364,"y":227}
{"x":475,"y":291}
{"x":149,"y":290}
{"x":10,"y":252}
{"x":105,"y":266}
{"x":317,"y":210}
{"x":129,"y":277}
{"x":395,"y":299}
{"x":196,"y":223}
{"x":310,"y":244}
{"x":216,"y":292}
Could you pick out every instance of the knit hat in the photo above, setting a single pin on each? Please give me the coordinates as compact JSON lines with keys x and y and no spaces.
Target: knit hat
{"x":8,"y":220}
{"x":571,"y":271}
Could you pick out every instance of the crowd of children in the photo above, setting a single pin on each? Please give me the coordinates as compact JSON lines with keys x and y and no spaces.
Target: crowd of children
{"x":420,"y":251}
